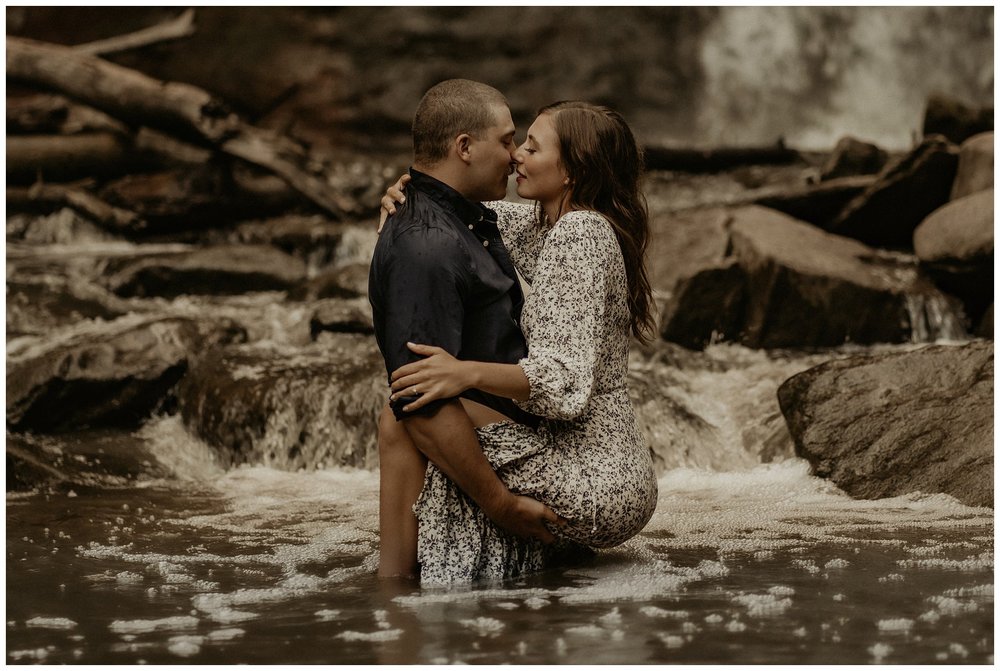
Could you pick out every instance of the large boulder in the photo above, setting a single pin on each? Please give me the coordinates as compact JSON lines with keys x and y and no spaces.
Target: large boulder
{"x":680,"y":243}
{"x":954,"y":119}
{"x":906,"y":191}
{"x":289,"y":407}
{"x":223,"y":269}
{"x":891,"y":424}
{"x":853,"y":157}
{"x":112,"y":374}
{"x":789,"y":284}
{"x":955,"y":246}
{"x":707,"y":306}
{"x":975,"y":166}
{"x":819,"y":203}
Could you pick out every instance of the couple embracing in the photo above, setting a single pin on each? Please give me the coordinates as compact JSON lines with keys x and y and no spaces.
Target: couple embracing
{"x":509,"y":439}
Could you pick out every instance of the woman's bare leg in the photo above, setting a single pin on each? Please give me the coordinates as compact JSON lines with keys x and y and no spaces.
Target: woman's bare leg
{"x":401,"y":477}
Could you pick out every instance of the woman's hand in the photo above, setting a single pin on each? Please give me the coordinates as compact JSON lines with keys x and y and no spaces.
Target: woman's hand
{"x":393,"y":195}
{"x":439,"y":375}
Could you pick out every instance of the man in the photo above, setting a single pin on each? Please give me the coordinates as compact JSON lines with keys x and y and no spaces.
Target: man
{"x":441,"y":276}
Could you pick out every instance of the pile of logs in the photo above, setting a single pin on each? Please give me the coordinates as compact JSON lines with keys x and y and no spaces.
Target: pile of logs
{"x":78,"y":123}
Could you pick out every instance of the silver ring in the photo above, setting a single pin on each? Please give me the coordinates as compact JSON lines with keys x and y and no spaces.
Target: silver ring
{"x":413,"y":390}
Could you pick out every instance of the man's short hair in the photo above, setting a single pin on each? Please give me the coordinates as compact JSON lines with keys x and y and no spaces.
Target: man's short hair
{"x":447,"y":110}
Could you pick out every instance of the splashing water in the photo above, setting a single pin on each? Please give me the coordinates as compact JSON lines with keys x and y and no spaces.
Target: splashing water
{"x":747,"y":563}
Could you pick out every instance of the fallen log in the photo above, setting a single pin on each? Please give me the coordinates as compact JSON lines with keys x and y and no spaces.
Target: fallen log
{"x":172,"y":107}
{"x":66,"y":157}
{"x":52,"y":196}
{"x":714,"y":160}
{"x":176,"y":28}
{"x":36,"y":114}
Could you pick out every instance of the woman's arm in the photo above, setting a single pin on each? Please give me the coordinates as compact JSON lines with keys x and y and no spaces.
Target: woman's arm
{"x":522,"y":234}
{"x":568,"y":320}
{"x":440,"y":375}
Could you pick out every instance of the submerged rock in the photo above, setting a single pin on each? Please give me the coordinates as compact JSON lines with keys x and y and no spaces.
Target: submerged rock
{"x":975,"y":166}
{"x":955,"y":246}
{"x":112,"y":374}
{"x":224,"y":269}
{"x":906,"y":191}
{"x":289,"y":407}
{"x":890,"y":424}
{"x":789,"y":284}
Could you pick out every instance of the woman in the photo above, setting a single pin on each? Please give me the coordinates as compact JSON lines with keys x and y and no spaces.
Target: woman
{"x":581,"y":249}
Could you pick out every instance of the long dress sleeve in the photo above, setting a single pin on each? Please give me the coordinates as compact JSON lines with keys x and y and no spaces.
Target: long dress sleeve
{"x":570,"y":297}
{"x":522,"y":234}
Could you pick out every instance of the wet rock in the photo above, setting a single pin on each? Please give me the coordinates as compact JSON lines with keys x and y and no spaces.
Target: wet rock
{"x":313,"y":239}
{"x":890,"y":424}
{"x":853,"y":157}
{"x":820,"y":203}
{"x":290,"y":408}
{"x":707,"y":306}
{"x":340,"y":316}
{"x":111,"y":374}
{"x":985,"y":328}
{"x":347,"y":281}
{"x":810,"y":288}
{"x":955,"y":246}
{"x":789,"y":284}
{"x":36,"y":305}
{"x":224,"y":269}
{"x":955,"y":119}
{"x":79,"y":459}
{"x":906,"y":191}
{"x":975,"y":166}
{"x":684,"y":242}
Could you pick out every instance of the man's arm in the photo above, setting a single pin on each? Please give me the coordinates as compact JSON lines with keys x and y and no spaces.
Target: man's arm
{"x":448,"y":439}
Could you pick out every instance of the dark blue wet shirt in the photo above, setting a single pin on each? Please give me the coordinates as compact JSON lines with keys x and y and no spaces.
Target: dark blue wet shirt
{"x":441,"y":276}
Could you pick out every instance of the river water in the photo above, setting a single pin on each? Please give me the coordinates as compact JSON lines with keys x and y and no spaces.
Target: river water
{"x":743,"y":562}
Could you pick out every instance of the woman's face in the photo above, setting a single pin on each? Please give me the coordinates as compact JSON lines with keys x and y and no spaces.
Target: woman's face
{"x":540,"y":174}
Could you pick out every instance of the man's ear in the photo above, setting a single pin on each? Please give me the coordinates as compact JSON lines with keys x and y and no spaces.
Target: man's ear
{"x":463,"y":147}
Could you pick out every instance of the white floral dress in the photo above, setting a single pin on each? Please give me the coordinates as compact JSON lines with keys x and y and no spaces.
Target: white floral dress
{"x":587,"y":461}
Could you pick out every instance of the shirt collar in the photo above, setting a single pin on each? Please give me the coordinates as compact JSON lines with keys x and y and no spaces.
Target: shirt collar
{"x":470,"y":212}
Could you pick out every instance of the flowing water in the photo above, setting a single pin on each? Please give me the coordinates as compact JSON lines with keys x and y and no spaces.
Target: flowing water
{"x":743,"y":562}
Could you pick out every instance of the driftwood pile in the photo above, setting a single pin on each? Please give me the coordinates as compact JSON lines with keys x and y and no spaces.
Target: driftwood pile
{"x":107,"y":141}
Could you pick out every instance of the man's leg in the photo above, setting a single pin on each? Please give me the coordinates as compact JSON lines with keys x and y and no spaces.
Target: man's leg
{"x":401,"y":477}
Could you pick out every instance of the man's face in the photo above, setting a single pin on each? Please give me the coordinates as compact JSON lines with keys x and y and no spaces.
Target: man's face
{"x":492,"y":160}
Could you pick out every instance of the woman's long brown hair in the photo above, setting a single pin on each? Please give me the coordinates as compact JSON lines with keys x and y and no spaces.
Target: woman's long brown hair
{"x":604,"y":164}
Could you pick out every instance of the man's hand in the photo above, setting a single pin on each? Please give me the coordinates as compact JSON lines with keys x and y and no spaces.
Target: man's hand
{"x":394,"y":194}
{"x":524,"y":516}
